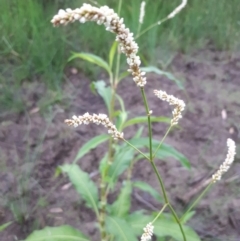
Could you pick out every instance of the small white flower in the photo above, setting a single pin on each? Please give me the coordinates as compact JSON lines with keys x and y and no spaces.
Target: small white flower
{"x":113,"y":23}
{"x":142,"y":12}
{"x":228,"y":161}
{"x":97,"y":119}
{"x":148,"y":232}
{"x":172,"y":100}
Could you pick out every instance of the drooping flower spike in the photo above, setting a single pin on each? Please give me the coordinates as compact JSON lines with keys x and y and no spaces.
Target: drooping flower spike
{"x":113,"y":23}
{"x":97,"y":119}
{"x":172,"y":100}
{"x":228,"y":161}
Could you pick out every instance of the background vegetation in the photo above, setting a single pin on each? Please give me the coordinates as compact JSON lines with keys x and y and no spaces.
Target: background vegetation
{"x":32,"y":49}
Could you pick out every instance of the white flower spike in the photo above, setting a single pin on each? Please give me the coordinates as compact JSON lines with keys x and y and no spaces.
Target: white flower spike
{"x":228,"y":161}
{"x":148,"y":232}
{"x":113,"y":23}
{"x":97,"y":119}
{"x":172,"y":100}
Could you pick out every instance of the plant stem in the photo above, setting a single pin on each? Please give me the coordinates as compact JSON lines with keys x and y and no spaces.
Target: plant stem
{"x":136,"y":149}
{"x":166,"y":199}
{"x":160,"y":144}
{"x":178,"y":221}
{"x":197,"y":200}
{"x":103,"y":186}
{"x":149,"y":122}
{"x":151,"y":26}
{"x":165,"y":205}
{"x":119,"y":6}
{"x":154,"y":166}
{"x":160,"y":182}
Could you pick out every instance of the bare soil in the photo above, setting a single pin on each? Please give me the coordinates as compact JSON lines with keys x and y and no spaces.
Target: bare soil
{"x":35,"y":142}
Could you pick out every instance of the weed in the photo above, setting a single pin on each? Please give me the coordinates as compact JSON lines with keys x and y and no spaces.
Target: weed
{"x":115,"y":221}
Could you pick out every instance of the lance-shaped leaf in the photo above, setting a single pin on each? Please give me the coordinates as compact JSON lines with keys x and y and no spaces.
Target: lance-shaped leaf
{"x":147,"y":188}
{"x":120,"y":229}
{"x":121,"y":115}
{"x":122,"y":158}
{"x":105,"y":92}
{"x":123,"y":75}
{"x":168,"y":227}
{"x":91,"y":144}
{"x":188,"y":216}
{"x":163,"y":226}
{"x":83,"y":184}
{"x":4,"y":226}
{"x":137,"y":221}
{"x":143,"y":119}
{"x":167,"y":74}
{"x":112,"y":53}
{"x":121,"y":207}
{"x":163,"y":152}
{"x":61,"y":233}
{"x":169,"y":151}
{"x":92,"y":58}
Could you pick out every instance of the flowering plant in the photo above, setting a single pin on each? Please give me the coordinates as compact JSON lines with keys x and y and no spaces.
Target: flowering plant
{"x":114,"y":221}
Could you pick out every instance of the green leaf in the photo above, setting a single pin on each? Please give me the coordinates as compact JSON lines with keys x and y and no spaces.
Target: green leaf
{"x":104,"y":166}
{"x":112,"y":53}
{"x":83,"y":184}
{"x":121,"y":102}
{"x":120,"y":229}
{"x":123,"y":75}
{"x":61,"y":233}
{"x":122,"y":115}
{"x":188,"y":216}
{"x":91,"y":144}
{"x":169,"y":151}
{"x":137,"y":220}
{"x":139,"y":132}
{"x":105,"y":92}
{"x":143,"y":119}
{"x":163,"y":227}
{"x":121,"y":207}
{"x":163,"y":152}
{"x":122,"y":159}
{"x":120,"y":120}
{"x":147,"y":188}
{"x":166,"y":227}
{"x":4,"y":226}
{"x":167,"y":74}
{"x":92,"y":59}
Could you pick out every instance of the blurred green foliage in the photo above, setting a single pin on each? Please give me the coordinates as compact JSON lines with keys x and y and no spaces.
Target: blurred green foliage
{"x":31,"y":48}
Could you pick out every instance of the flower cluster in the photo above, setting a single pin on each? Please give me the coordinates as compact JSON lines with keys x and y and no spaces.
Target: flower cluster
{"x":142,"y":12}
{"x":97,"y":119}
{"x":228,"y":161}
{"x":179,"y":105}
{"x":113,"y":23}
{"x":178,"y":9}
{"x":148,"y":232}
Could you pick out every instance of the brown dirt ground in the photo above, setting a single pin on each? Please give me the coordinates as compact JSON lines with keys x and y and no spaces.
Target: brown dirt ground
{"x":35,"y":142}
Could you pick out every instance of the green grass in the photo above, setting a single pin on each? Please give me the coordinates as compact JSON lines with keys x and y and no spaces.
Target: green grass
{"x":31,"y":48}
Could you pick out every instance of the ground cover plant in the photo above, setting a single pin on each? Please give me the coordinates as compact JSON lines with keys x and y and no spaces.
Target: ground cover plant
{"x":114,"y":220}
